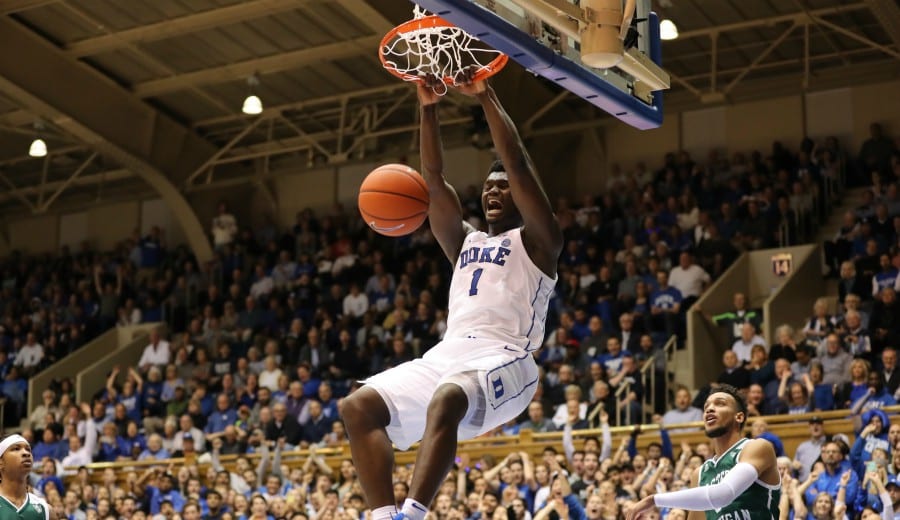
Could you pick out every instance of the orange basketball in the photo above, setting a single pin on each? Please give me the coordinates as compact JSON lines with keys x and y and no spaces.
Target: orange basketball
{"x":393,"y":200}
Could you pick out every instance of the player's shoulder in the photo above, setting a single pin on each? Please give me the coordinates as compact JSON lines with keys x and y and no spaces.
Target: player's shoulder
{"x":468,"y":229}
{"x":756,"y":448}
{"x":40,"y":505}
{"x":36,"y":499}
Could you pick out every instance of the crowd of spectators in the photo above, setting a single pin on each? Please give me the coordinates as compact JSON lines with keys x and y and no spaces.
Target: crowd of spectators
{"x":263,"y":342}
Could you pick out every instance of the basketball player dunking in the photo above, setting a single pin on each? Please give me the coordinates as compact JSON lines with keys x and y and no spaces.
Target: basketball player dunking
{"x":740,"y":482}
{"x":15,"y":500}
{"x":482,"y":374}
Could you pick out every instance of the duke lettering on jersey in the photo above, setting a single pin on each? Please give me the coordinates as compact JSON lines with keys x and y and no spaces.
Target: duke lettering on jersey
{"x":483,"y":255}
{"x":498,"y":293}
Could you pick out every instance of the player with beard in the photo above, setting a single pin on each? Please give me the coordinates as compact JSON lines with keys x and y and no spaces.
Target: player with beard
{"x":15,"y":500}
{"x":740,"y":482}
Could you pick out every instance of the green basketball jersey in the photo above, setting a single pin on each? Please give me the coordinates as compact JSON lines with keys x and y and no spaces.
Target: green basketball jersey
{"x":758,"y":502}
{"x":34,"y":509}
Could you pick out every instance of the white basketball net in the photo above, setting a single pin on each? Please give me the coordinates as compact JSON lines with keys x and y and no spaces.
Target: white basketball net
{"x":440,"y":51}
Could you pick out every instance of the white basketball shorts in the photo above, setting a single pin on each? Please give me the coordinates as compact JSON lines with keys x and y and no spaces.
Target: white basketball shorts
{"x":499,"y":381}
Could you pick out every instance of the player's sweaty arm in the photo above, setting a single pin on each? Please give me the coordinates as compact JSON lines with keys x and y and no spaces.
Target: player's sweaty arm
{"x":542,"y":235}
{"x":444,"y":211}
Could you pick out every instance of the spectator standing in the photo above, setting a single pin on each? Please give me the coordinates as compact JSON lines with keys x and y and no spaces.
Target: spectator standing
{"x":884,"y":323}
{"x":29,"y":355}
{"x":689,"y":278}
{"x":665,"y":305}
{"x":809,"y":451}
{"x":156,"y":353}
{"x":734,"y":319}
{"x":876,"y":151}
{"x":152,"y":250}
{"x":224,"y":227}
{"x":890,"y":372}
{"x":835,"y":361}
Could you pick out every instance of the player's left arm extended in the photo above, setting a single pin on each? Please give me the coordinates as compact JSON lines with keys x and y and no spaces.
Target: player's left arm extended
{"x":757,"y":458}
{"x":527,"y":191}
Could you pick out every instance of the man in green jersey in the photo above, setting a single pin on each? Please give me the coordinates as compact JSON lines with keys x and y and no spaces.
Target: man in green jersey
{"x":741,"y":482}
{"x":16,"y":503}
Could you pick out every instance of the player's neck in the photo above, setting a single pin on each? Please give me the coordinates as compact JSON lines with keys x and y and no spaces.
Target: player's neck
{"x":14,"y":490}
{"x":497,"y":228}
{"x":723,"y":443}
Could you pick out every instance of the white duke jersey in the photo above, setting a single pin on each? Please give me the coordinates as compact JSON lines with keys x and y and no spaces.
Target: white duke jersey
{"x":497,"y":292}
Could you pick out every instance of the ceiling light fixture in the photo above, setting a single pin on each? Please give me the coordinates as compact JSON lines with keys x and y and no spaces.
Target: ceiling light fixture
{"x":252,"y":104}
{"x":38,"y":147}
{"x":667,"y":30}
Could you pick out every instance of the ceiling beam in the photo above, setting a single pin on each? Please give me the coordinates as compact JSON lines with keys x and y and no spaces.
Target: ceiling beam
{"x":15,"y":6}
{"x":365,"y":13}
{"x":269,"y":64}
{"x":862,"y":39}
{"x":394,"y":86}
{"x":785,"y":63}
{"x":104,"y":116}
{"x":888,"y":15}
{"x":799,"y":17}
{"x":212,"y":18}
{"x":83,"y":180}
{"x":756,"y":61}
{"x":17,"y":118}
{"x":157,"y":67}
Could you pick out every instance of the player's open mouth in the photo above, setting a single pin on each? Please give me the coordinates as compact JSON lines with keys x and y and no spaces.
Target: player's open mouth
{"x":710,"y":419}
{"x":494,"y":205}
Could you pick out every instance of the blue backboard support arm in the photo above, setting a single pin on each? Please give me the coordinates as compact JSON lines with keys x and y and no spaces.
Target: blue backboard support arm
{"x":535,"y":57}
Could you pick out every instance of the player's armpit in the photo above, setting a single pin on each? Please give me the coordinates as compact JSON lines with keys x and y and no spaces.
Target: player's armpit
{"x":696,"y":515}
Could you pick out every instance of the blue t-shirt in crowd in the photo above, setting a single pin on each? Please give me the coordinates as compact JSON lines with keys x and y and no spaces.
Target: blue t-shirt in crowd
{"x":665,"y":298}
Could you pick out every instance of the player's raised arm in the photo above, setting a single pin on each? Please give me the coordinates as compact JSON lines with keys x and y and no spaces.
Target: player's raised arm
{"x":444,"y":210}
{"x":541,"y":233}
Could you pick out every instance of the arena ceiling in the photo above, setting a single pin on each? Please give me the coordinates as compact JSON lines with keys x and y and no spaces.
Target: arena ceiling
{"x":144,"y":96}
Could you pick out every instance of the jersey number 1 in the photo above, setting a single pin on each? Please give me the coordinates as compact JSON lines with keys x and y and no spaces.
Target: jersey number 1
{"x":476,"y":275}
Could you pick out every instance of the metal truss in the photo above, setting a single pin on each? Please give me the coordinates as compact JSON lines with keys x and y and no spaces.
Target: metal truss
{"x":803,"y":21}
{"x":332,"y":130}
